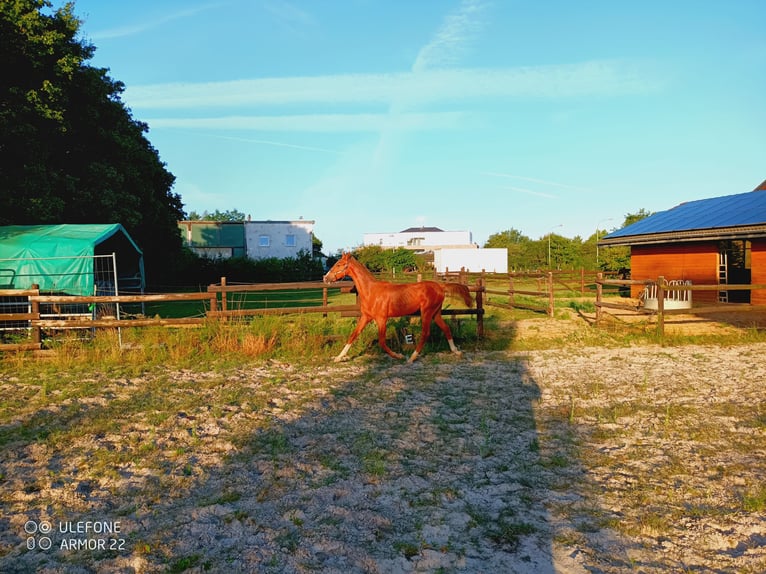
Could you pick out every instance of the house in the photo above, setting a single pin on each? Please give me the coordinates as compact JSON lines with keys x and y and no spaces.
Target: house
{"x":421,"y":239}
{"x":278,"y":239}
{"x":253,"y":239}
{"x":721,"y":240}
{"x":214,"y":239}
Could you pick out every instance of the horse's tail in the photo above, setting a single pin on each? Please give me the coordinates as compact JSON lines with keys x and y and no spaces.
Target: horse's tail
{"x":459,"y":290}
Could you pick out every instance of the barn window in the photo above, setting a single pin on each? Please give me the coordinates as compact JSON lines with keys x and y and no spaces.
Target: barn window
{"x":290,"y":240}
{"x":264,"y":241}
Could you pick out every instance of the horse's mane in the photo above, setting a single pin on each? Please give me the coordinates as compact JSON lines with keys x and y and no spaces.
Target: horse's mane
{"x":361,"y":268}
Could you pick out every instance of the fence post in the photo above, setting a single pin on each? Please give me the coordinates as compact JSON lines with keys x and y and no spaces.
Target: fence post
{"x":36,"y":331}
{"x":324,"y":301}
{"x":510,"y":292}
{"x":582,"y":281}
{"x":480,"y":308}
{"x":224,"y":306}
{"x":550,"y":294}
{"x":661,"y":305}
{"x":599,"y":294}
{"x":213,"y":300}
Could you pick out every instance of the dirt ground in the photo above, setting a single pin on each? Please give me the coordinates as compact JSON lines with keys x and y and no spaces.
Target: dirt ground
{"x":583,"y":459}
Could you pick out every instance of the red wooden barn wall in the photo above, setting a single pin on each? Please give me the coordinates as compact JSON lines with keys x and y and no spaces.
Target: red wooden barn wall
{"x":758,"y":270}
{"x":697,"y":262}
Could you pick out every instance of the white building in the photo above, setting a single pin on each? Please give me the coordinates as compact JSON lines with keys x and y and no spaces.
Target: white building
{"x":421,"y":239}
{"x":279,"y":239}
{"x":493,"y":260}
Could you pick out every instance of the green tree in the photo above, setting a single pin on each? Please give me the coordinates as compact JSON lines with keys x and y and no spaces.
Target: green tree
{"x":631,"y":218}
{"x":230,"y":215}
{"x":316,"y":246}
{"x":70,"y":151}
{"x":617,"y":258}
{"x":378,"y":260}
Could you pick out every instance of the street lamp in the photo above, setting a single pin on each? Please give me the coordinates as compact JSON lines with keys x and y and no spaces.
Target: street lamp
{"x":597,"y":226}
{"x":549,"y":242}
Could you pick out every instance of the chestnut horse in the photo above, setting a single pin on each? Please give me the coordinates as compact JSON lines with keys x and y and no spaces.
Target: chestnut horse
{"x":379,"y":300}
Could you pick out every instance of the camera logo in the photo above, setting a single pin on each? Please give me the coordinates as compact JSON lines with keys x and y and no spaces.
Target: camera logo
{"x":33,"y":528}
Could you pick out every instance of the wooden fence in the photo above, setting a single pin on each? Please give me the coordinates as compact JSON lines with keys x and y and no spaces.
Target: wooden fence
{"x":538,"y":286}
{"x":538,"y":289}
{"x":219,"y":302}
{"x":663,"y":289}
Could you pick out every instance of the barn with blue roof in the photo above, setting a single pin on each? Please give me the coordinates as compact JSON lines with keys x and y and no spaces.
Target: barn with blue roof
{"x":720,"y":240}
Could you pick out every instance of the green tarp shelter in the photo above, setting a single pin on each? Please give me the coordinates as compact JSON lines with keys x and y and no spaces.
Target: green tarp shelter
{"x":63,"y":258}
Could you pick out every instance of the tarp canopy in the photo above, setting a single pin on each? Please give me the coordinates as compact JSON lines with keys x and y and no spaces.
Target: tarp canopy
{"x":62,"y":257}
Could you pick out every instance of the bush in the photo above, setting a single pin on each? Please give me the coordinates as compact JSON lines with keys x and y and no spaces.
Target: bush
{"x":195,"y":270}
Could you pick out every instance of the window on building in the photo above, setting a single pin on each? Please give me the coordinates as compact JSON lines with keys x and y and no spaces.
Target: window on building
{"x":264,"y":241}
{"x":290,"y":240}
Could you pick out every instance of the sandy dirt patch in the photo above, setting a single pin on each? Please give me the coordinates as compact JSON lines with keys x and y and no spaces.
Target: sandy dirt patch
{"x":643,"y":459}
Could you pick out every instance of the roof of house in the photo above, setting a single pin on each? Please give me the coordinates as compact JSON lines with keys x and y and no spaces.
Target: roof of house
{"x":421,"y":230}
{"x":724,"y":217}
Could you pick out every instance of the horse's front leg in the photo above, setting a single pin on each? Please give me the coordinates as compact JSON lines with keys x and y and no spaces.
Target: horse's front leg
{"x":381,"y":323}
{"x":363,"y":320}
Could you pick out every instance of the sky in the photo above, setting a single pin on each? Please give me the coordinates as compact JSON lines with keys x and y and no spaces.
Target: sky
{"x":373,"y":116}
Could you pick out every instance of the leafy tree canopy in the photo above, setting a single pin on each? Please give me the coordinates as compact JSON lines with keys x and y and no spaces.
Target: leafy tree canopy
{"x":555,"y":251}
{"x":631,"y":218}
{"x":377,"y":259}
{"x":70,"y":151}
{"x":230,"y":215}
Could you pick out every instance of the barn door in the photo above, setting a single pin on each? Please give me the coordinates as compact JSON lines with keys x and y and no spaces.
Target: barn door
{"x":734,"y":269}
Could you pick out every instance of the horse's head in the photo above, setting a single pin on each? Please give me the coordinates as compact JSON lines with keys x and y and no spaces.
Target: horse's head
{"x":339,"y":270}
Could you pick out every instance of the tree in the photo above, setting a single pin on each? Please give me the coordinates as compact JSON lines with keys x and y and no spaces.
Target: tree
{"x":617,"y":258}
{"x":230,"y":215}
{"x":316,"y":246}
{"x":631,"y":218}
{"x":377,"y":259}
{"x":70,"y":151}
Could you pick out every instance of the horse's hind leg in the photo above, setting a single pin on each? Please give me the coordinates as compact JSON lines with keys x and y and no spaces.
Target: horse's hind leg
{"x":381,"y":323}
{"x":447,"y":333}
{"x":425,"y":323}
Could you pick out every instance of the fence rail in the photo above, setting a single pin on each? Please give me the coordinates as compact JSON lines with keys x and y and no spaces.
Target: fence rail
{"x":541,"y":290}
{"x":664,"y":288}
{"x":219,"y":302}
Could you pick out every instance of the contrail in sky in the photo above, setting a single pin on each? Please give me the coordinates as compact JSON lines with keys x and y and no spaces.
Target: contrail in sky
{"x":280,"y":144}
{"x":530,"y":192}
{"x":535,"y":180}
{"x":133,"y":29}
{"x":444,"y":49}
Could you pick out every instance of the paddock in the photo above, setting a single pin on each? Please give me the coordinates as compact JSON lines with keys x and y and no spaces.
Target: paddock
{"x":32,"y":313}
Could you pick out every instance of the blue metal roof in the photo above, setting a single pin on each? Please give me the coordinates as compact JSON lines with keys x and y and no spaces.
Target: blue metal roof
{"x":727,"y":211}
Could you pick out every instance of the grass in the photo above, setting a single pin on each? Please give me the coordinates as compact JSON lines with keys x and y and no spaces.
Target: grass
{"x":112,"y":409}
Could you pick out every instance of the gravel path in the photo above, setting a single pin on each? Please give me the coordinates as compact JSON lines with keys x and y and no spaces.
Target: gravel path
{"x":643,"y":459}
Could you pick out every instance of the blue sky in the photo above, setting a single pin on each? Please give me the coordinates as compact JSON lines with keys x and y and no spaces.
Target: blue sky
{"x":372,"y":116}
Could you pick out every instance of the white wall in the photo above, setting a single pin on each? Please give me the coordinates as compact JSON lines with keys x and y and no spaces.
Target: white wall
{"x":473,"y":260}
{"x":278,"y":239}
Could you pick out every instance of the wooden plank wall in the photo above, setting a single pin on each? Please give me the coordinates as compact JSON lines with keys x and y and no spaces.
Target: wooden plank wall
{"x":758,"y":269}
{"x":696,"y":262}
